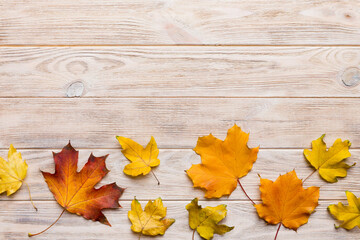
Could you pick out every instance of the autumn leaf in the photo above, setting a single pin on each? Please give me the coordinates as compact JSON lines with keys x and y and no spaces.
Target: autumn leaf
{"x":152,"y":220}
{"x":350,"y":214}
{"x":329,"y":162}
{"x":205,"y":220}
{"x":285,"y":201}
{"x":223,"y":162}
{"x":75,"y":191}
{"x":13,"y":173}
{"x":142,"y":159}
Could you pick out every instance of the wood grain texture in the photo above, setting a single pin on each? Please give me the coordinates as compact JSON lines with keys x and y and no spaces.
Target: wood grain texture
{"x":285,"y":71}
{"x":175,"y":122}
{"x":180,"y":22}
{"x":175,"y":184}
{"x":180,"y":71}
{"x":20,"y":218}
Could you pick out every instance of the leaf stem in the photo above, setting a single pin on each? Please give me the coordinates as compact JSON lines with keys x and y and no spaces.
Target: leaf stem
{"x":277,"y":231}
{"x":31,"y":235}
{"x":155,"y":176}
{"x":310,"y":175}
{"x":193,"y":235}
{"x":30,"y":195}
{"x":245,"y":192}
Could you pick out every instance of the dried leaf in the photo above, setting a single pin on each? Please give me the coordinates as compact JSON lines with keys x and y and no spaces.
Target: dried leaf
{"x":205,"y":220}
{"x":350,"y":214}
{"x":13,"y":173}
{"x":329,"y":162}
{"x":285,"y":201}
{"x":142,"y":159}
{"x":75,"y":191}
{"x":152,"y":220}
{"x":223,"y":162}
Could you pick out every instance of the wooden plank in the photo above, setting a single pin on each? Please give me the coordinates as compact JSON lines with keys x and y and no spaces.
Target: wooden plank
{"x":180,"y":71}
{"x":175,"y":184}
{"x":253,"y":22}
{"x":20,"y":218}
{"x":175,"y":122}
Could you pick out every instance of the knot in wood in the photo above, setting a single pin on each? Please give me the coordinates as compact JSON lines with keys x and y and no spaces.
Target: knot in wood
{"x":351,"y":77}
{"x":75,"y":89}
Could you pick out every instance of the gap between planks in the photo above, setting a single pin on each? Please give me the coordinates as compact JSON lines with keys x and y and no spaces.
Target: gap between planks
{"x":181,"y":97}
{"x":163,"y":148}
{"x":257,"y":201}
{"x":178,"y":45}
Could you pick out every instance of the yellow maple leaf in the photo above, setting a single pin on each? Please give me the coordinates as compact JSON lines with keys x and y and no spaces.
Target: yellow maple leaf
{"x":205,"y":220}
{"x":329,"y":162}
{"x":152,"y":220}
{"x":222,"y":162}
{"x":285,"y":201}
{"x":350,"y":214}
{"x":13,"y":173}
{"x":142,"y":159}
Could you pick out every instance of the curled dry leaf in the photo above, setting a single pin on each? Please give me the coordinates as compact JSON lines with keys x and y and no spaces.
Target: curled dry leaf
{"x":205,"y":220}
{"x":152,"y":220}
{"x":350,"y":214}
{"x":329,"y":162}
{"x":142,"y":159}
{"x":75,"y":191}
{"x":285,"y":201}
{"x":13,"y":173}
{"x":222,"y":162}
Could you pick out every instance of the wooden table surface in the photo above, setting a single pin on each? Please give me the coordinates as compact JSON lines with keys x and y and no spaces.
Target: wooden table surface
{"x":86,"y":71}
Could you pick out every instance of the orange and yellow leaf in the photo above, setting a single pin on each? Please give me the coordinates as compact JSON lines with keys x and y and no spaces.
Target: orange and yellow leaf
{"x":75,"y":191}
{"x":285,"y":201}
{"x":222,"y":162}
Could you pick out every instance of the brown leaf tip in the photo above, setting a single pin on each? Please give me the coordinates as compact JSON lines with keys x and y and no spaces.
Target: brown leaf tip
{"x":104,"y":220}
{"x":69,"y":147}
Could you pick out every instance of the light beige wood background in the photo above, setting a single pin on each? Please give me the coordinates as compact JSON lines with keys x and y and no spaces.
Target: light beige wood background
{"x":86,"y":71}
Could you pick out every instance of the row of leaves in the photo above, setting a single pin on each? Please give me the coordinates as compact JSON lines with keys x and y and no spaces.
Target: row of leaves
{"x":284,"y":202}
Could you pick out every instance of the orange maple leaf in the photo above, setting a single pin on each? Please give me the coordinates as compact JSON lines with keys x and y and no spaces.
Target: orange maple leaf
{"x":75,"y":191}
{"x":285,"y":201}
{"x":222,"y":162}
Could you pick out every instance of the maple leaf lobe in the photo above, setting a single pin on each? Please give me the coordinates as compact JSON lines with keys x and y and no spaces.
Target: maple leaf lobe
{"x":75,"y":190}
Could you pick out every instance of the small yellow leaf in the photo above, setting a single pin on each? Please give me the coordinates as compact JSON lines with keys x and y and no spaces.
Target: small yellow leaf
{"x":350,"y":214}
{"x":12,"y":172}
{"x":329,"y":162}
{"x":142,"y":159}
{"x":152,"y":220}
{"x":205,"y":220}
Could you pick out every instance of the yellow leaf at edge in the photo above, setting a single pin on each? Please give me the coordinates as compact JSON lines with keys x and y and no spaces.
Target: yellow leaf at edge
{"x":286,"y":201}
{"x":142,"y":159}
{"x":350,"y":214}
{"x":329,"y":162}
{"x":152,"y":220}
{"x":12,"y":172}
{"x":222,"y":162}
{"x":205,"y":220}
